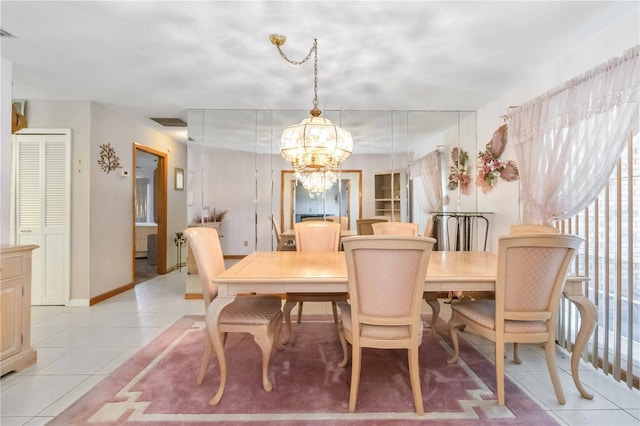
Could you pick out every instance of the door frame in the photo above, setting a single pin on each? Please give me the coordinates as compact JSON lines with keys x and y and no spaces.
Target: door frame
{"x":162,"y":209}
{"x":287,"y":195}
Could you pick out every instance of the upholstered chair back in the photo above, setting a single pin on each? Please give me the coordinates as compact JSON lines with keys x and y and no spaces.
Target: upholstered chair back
{"x":364,"y":225}
{"x":205,"y":246}
{"x":386,"y":282}
{"x":317,"y":236}
{"x":395,"y":228}
{"x":532,"y":269}
{"x":532,"y":229}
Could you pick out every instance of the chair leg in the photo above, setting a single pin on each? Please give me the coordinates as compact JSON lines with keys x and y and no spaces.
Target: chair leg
{"x":206,"y":356}
{"x":454,"y":326}
{"x":414,"y":374}
{"x":218,"y":346}
{"x":500,"y":370}
{"x":356,"y":357}
{"x":516,"y":355}
{"x":286,"y":311}
{"x":432,"y":300}
{"x":335,"y":311}
{"x":549,"y":349}
{"x":266,"y":343}
{"x":300,"y":311}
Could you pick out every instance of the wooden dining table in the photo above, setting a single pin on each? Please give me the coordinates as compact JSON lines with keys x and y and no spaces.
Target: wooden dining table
{"x":273,"y":272}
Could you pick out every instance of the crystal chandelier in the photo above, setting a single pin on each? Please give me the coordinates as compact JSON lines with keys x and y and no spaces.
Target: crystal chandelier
{"x":315,"y":144}
{"x":316,"y":181}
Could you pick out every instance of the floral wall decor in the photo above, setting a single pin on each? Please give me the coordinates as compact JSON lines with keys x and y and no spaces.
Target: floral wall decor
{"x":459,"y":171}
{"x":108,"y":159}
{"x":490,"y":168}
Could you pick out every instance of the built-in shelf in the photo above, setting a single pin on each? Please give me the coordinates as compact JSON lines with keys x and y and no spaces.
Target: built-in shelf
{"x":389,"y":198}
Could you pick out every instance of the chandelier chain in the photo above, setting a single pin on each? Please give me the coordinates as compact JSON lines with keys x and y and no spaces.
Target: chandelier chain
{"x":315,"y":73}
{"x":313,"y":50}
{"x":315,"y":146}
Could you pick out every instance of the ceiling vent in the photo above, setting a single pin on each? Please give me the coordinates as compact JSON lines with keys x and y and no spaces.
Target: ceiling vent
{"x":170,"y":122}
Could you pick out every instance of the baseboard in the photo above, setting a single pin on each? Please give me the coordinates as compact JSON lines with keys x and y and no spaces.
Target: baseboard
{"x":234,"y":256}
{"x":109,"y":294}
{"x":79,"y":302}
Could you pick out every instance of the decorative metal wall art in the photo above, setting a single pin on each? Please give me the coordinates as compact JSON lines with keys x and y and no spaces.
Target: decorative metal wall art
{"x":108,"y":159}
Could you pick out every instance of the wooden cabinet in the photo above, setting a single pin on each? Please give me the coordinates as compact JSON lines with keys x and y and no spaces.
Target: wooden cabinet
{"x":15,"y":308}
{"x":390,"y":198}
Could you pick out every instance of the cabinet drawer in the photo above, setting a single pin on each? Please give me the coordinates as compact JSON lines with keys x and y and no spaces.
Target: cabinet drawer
{"x":11,"y":267}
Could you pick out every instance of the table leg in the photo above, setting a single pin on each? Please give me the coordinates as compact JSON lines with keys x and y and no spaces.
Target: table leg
{"x":432,"y":300}
{"x":217,"y":339}
{"x":286,"y":311}
{"x":588,"y":321}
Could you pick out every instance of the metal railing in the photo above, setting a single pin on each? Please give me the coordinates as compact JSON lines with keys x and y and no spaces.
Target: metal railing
{"x":610,"y":257}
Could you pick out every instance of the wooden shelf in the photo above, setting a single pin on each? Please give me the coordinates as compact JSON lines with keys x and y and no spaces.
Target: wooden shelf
{"x":388,"y":195}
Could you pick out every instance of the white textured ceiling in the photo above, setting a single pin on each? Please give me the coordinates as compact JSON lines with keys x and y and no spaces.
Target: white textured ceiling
{"x":158,"y":59}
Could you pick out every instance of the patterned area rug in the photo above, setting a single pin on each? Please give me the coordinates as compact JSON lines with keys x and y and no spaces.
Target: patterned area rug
{"x":157,"y":386}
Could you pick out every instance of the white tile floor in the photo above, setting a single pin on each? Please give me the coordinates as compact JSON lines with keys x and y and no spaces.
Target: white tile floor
{"x":78,"y":347}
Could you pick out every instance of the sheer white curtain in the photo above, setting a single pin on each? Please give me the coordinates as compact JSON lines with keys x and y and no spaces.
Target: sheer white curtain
{"x":427,"y":178}
{"x":568,"y":140}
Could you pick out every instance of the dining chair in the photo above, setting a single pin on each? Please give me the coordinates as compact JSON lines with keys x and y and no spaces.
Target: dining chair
{"x":313,"y":236}
{"x":313,"y":218}
{"x":533,"y":229}
{"x":528,"y":229}
{"x":364,"y":225}
{"x":411,"y":229}
{"x":260,"y":316}
{"x":343,"y":220}
{"x":386,"y":281}
{"x":282,"y":245}
{"x":532,"y":269}
{"x":395,"y":228}
{"x":429,"y":229}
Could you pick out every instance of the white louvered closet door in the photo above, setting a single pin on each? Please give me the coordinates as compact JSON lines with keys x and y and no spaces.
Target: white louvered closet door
{"x":42,"y":210}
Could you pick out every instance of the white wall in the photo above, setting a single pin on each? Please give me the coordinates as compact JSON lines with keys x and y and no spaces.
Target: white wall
{"x":101,"y":207}
{"x":112,"y":218}
{"x":6,"y":76}
{"x":74,"y":115}
{"x":505,"y":198}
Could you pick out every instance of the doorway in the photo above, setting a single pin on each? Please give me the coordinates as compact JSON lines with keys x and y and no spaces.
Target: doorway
{"x":149,"y":213}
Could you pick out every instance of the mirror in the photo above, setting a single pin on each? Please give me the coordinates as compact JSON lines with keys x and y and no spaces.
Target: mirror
{"x":234,"y":164}
{"x":145,"y":200}
{"x":343,"y":199}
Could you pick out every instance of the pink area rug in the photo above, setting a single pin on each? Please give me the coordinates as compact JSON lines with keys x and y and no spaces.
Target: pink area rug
{"x":157,"y":386}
